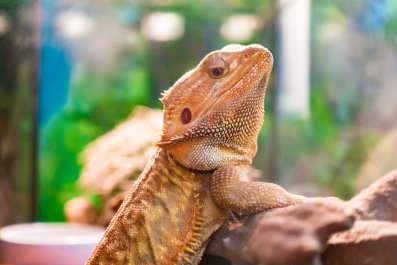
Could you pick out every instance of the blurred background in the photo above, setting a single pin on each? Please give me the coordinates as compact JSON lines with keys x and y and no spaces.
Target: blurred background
{"x":70,"y":71}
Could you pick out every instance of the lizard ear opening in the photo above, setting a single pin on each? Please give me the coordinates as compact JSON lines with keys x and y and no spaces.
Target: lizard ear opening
{"x":186,"y":116}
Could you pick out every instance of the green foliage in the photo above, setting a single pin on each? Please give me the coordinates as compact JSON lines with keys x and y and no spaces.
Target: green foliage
{"x":95,"y":105}
{"x":60,"y":143}
{"x":10,"y":6}
{"x":391,"y":25}
{"x":342,"y":160}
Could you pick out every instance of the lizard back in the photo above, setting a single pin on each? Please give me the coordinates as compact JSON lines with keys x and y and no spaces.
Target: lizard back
{"x":163,"y":218}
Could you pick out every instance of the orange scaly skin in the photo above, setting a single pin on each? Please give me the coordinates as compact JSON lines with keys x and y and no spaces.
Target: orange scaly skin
{"x":212,"y":117}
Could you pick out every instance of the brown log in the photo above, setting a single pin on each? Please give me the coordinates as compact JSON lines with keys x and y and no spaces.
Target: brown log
{"x":367,"y":242}
{"x":292,"y":235}
{"x":379,"y":200}
{"x":311,"y":233}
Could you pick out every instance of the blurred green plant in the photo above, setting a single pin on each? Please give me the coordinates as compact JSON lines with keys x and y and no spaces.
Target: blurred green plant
{"x":96,"y":103}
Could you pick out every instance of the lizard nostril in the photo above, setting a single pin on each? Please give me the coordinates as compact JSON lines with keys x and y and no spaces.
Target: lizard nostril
{"x":186,"y":116}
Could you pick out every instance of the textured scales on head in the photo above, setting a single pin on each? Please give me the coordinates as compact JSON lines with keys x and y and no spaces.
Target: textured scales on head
{"x":213,"y":113}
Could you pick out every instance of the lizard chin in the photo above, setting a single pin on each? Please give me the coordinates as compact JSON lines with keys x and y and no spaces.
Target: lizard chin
{"x":207,"y":157}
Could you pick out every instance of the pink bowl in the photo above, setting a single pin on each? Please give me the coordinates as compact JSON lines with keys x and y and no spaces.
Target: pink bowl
{"x":48,"y":243}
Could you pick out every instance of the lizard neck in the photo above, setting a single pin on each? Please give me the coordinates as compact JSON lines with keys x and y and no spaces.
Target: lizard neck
{"x":163,"y":220}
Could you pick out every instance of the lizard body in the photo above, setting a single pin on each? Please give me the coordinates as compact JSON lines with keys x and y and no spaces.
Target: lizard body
{"x":212,"y":117}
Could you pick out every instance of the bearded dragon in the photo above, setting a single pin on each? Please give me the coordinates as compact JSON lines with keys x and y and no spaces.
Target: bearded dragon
{"x":212,"y":117}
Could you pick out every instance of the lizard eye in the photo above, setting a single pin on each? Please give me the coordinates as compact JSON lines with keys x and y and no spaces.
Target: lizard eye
{"x":186,"y":116}
{"x":217,"y":72}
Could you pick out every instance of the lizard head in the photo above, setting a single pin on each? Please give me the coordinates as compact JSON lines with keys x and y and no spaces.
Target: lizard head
{"x":213,"y":113}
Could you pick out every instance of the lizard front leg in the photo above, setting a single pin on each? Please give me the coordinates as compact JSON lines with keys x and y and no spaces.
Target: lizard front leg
{"x":229,"y":192}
